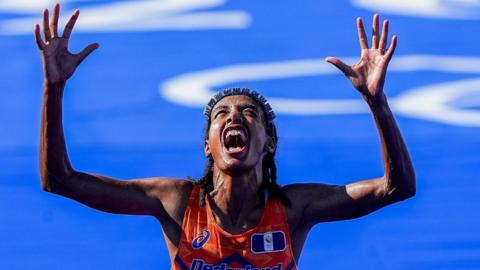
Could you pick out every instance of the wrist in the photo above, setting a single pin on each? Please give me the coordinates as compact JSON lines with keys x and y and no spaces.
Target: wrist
{"x":53,"y":89}
{"x":54,"y":85}
{"x":376,"y":101}
{"x":48,"y":82}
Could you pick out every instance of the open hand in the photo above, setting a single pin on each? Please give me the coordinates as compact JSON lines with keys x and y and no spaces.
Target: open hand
{"x":368,"y":75}
{"x":58,"y":63}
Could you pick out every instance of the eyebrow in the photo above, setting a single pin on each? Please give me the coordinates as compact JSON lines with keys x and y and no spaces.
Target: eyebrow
{"x":250,"y":106}
{"x":241,"y":106}
{"x":221,"y":107}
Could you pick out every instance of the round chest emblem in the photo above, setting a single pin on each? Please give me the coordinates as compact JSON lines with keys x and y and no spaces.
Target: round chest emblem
{"x":201,"y":239}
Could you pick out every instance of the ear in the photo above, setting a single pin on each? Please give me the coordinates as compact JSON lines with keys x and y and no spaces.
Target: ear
{"x":271,"y":145}
{"x":206,"y":149}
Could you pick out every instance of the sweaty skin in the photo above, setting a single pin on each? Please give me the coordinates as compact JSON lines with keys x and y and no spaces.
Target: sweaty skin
{"x":236,"y":201}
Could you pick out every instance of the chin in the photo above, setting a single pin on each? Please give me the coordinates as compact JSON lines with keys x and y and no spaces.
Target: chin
{"x":232,"y":165}
{"x":235,"y":166}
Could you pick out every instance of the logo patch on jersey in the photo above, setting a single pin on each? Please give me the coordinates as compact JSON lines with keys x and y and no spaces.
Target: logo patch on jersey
{"x":268,"y":242}
{"x":201,"y":239}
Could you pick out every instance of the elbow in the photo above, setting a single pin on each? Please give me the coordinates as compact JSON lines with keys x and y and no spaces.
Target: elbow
{"x":407,"y":194}
{"x":54,"y":173}
{"x":407,"y":189}
{"x":400,"y":194}
{"x":54,"y":182}
{"x":411,"y":185}
{"x":45,"y":179}
{"x":48,"y":183}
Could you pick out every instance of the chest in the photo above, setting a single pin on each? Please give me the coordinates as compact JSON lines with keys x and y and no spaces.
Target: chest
{"x":261,"y":240}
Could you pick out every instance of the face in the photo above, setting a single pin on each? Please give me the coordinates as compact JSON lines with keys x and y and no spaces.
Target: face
{"x":237,"y":138}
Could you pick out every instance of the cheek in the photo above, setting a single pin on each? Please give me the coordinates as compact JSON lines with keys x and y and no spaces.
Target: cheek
{"x":213,"y":131}
{"x":259,"y":140}
{"x":214,"y":125}
{"x":214,"y":134}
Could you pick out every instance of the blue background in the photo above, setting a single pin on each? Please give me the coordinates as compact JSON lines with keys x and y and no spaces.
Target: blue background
{"x":118,"y":125}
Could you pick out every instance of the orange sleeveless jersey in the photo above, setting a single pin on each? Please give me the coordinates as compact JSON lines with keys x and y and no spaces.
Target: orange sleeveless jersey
{"x":205,"y":246}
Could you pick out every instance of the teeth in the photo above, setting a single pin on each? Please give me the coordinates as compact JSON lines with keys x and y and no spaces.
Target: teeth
{"x":236,"y":132}
{"x":234,"y":138}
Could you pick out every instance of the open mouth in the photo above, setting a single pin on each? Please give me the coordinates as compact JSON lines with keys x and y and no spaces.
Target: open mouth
{"x":235,"y":139}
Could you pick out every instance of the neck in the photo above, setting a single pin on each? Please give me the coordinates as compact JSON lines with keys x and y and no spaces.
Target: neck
{"x":236,"y":195}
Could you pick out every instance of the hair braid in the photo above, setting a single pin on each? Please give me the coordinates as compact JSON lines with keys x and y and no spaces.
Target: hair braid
{"x":206,"y":181}
{"x":270,"y":180}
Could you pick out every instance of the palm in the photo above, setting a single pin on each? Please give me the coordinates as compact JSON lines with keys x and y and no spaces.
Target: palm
{"x":58,"y":63}
{"x":369,"y":72}
{"x":368,"y":75}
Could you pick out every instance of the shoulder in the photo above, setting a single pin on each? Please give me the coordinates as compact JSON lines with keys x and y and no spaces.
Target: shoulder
{"x":173,"y":193}
{"x":298,"y":201}
{"x":169,"y":187}
{"x":304,"y":196}
{"x":298,"y":194}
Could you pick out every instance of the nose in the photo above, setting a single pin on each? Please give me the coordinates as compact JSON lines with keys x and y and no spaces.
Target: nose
{"x":235,"y":117}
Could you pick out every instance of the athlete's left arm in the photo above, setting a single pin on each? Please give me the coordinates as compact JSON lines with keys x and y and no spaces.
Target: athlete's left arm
{"x":327,"y":203}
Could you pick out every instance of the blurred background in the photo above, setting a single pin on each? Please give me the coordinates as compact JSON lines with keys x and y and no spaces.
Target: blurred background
{"x":134,"y":109}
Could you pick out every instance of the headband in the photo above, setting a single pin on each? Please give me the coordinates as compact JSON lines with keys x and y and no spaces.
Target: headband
{"x":261,"y":100}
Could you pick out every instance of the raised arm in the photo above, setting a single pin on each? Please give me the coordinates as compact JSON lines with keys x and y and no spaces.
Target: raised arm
{"x":143,"y":196}
{"x":328,"y":203}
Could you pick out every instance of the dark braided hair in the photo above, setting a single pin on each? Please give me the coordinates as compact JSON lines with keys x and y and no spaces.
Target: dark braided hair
{"x":269,"y":168}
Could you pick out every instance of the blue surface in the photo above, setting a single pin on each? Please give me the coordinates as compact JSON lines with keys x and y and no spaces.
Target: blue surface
{"x":118,"y":123}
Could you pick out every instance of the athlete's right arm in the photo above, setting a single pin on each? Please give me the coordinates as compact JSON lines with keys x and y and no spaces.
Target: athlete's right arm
{"x":156,"y":196}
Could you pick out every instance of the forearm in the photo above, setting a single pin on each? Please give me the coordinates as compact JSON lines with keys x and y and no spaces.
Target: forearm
{"x":399,"y":178}
{"x":54,"y":163}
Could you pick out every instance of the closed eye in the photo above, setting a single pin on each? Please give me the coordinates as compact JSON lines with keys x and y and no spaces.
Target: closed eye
{"x":220,"y":113}
{"x":251,"y":112}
